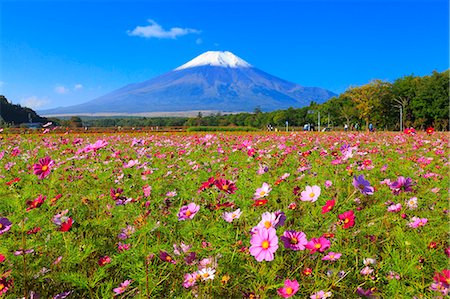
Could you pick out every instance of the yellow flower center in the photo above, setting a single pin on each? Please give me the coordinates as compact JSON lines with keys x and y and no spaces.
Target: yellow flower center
{"x":267,"y":224}
{"x":331,"y":256}
{"x":1,"y":226}
{"x":188,"y":213}
{"x":44,"y":168}
{"x":294,"y":240}
{"x":225,"y":187}
{"x":168,"y":258}
{"x":346,"y":220}
{"x":117,"y":195}
{"x":265,"y":244}
{"x":289,"y":290}
{"x":311,"y":194}
{"x":205,"y":275}
{"x":262,"y":193}
{"x":317,"y":246}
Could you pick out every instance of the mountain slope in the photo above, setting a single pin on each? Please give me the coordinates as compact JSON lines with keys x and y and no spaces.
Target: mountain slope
{"x":217,"y":81}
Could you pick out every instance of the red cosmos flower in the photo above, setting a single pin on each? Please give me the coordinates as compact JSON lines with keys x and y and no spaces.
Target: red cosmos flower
{"x":328,"y":206}
{"x":2,"y":258}
{"x":259,"y":202}
{"x":430,"y":130}
{"x":206,"y":185}
{"x":103,"y":260}
{"x":348,"y":219}
{"x":225,"y":186}
{"x":33,"y":204}
{"x":307,"y":271}
{"x":33,"y":230}
{"x":443,"y":277}
{"x":13,"y":181}
{"x":65,"y":226}
{"x":43,"y":167}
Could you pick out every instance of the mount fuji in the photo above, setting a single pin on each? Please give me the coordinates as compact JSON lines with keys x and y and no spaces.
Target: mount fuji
{"x":213,"y":81}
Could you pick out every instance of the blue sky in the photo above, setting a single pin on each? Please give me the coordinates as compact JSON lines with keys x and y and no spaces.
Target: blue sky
{"x":60,"y":53}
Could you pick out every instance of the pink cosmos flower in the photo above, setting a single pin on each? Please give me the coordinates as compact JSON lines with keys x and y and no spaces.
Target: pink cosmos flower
{"x":264,"y":243}
{"x":366,"y":271}
{"x":95,"y":146}
{"x":328,"y":183}
{"x":290,"y":288}
{"x":394,"y":208}
{"x":147,"y":190}
{"x":318,"y":244}
{"x":188,"y":212}
{"x":190,"y":279}
{"x":320,"y":295}
{"x":331,"y":256}
{"x":268,"y":220}
{"x":43,"y":167}
{"x":123,"y":286}
{"x":230,"y":216}
{"x":417,"y":222}
{"x":262,"y":192}
{"x":310,"y":194}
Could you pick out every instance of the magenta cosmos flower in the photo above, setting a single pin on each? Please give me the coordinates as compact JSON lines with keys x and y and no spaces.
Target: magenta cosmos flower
{"x":401,"y":184}
{"x":5,"y":225}
{"x":262,"y":192}
{"x":43,"y":167}
{"x":417,"y":222}
{"x":264,"y":243}
{"x":188,"y":212}
{"x":294,"y":240}
{"x":123,"y":286}
{"x":332,"y":256}
{"x":362,"y":185}
{"x":318,"y":244}
{"x":289,"y":289}
{"x":310,"y":193}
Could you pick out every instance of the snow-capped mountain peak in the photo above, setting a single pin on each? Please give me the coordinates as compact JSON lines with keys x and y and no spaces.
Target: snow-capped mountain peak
{"x":216,"y":58}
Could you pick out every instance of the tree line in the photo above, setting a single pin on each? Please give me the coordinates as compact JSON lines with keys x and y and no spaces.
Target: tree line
{"x":410,"y":101}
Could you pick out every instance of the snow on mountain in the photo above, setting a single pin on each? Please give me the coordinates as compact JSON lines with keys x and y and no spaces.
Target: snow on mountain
{"x":216,"y":58}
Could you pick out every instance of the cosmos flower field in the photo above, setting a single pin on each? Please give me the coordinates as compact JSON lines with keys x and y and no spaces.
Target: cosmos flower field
{"x":224,"y":215}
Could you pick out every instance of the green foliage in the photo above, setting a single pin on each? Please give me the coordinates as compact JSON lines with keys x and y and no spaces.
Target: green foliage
{"x":15,"y":114}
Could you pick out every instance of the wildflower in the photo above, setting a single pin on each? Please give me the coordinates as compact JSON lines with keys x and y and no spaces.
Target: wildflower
{"x":104,"y":260}
{"x":417,"y":222}
{"x":126,"y":232}
{"x":294,"y":240}
{"x":395,"y":208}
{"x":402,"y":184}
{"x":164,"y":256}
{"x":62,"y":295}
{"x":123,"y":286}
{"x":318,"y":244}
{"x":328,"y":206}
{"x":123,"y":247}
{"x":147,"y":190}
{"x":366,"y":271}
{"x":95,"y":146}
{"x":190,"y":258}
{"x":320,"y":295}
{"x":262,"y":169}
{"x":289,"y":289}
{"x":366,"y":293}
{"x":189,"y":280}
{"x":225,"y":279}
{"x":369,"y":261}
{"x":43,"y":167}
{"x":292,"y":206}
{"x":262,"y":192}
{"x":268,"y":220}
{"x":264,"y":243}
{"x":5,"y":225}
{"x":348,"y":219}
{"x":230,"y":216}
{"x":225,"y":186}
{"x":310,"y":194}
{"x":5,"y":285}
{"x":63,"y":222}
{"x":207,"y":273}
{"x":362,"y":185}
{"x":307,"y":271}
{"x":443,"y":277}
{"x":36,"y":203}
{"x":206,"y":185}
{"x":412,"y":203}
{"x":259,"y":202}
{"x":171,"y":194}
{"x":116,"y":193}
{"x":188,"y":212}
{"x":331,"y":256}
{"x":393,"y":275}
{"x":430,"y":130}
{"x":2,"y":258}
{"x":34,"y":230}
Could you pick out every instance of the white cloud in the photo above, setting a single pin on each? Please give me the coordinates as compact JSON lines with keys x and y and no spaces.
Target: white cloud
{"x":156,"y":31}
{"x":34,"y":102}
{"x":61,"y":89}
{"x":78,"y":86}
